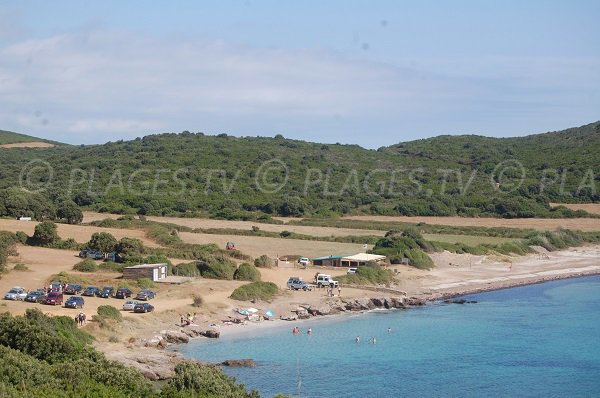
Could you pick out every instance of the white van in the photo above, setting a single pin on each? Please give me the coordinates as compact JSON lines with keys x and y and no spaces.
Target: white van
{"x":304,"y":261}
{"x":325,"y":280}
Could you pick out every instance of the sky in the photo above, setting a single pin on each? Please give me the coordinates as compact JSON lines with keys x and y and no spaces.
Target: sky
{"x":355,"y":72}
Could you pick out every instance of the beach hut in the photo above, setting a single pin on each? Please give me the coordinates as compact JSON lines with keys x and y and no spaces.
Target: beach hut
{"x":361,"y":259}
{"x":328,"y":261}
{"x":156,"y":272}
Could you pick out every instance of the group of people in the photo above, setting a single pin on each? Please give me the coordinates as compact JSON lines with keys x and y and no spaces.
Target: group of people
{"x":331,"y":290}
{"x":296,"y":330}
{"x":188,"y":319}
{"x":372,"y":340}
{"x":80,"y":319}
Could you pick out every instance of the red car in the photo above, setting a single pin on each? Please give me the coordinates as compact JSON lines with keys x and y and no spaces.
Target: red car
{"x":54,"y":298}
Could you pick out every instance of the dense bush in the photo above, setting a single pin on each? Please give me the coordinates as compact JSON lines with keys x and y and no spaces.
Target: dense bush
{"x":370,"y":274}
{"x":145,"y":283}
{"x":87,"y":265}
{"x":256,"y":291}
{"x":246,"y":272}
{"x":8,"y":242}
{"x":64,"y":277}
{"x":405,"y":244}
{"x":46,"y":357}
{"x":263,"y":261}
{"x":216,"y":267}
{"x":109,"y":312}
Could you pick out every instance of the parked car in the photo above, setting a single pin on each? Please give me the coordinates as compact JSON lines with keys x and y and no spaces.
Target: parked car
{"x":16,"y":293}
{"x":106,"y":292}
{"x":73,"y":289}
{"x":129,"y":305}
{"x":93,"y":254}
{"x":296,"y":283}
{"x":90,"y":291}
{"x":83,"y":253}
{"x":325,"y":280}
{"x":74,"y":302}
{"x":114,"y":257}
{"x":56,"y":287}
{"x":36,"y":296}
{"x":123,"y":292}
{"x":351,"y":271}
{"x":54,"y":298}
{"x":143,"y":307}
{"x":145,"y":295}
{"x":304,"y":261}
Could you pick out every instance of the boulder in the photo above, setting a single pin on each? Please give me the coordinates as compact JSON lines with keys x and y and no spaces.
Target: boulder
{"x":211,"y":334}
{"x":239,"y":363}
{"x":324,"y":309}
{"x":175,"y":337}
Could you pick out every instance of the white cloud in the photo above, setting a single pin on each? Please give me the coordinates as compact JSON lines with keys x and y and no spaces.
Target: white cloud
{"x":94,"y":86}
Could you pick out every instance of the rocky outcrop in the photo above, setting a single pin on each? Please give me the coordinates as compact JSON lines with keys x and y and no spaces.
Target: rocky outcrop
{"x":211,"y":334}
{"x":239,"y":363}
{"x":175,"y":337}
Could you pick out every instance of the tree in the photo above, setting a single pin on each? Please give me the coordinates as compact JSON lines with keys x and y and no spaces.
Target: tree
{"x":103,"y":242}
{"x":130,"y":247}
{"x":45,"y":233}
{"x":8,"y":244}
{"x":70,"y":212}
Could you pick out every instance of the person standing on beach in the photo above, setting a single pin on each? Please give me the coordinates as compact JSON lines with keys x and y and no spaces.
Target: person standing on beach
{"x":339,"y":290}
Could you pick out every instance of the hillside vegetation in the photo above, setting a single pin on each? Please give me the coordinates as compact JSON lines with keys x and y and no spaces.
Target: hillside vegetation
{"x":255,"y":178}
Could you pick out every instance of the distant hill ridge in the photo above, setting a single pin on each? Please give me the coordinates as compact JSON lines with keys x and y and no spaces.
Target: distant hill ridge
{"x":9,"y":137}
{"x":248,"y":177}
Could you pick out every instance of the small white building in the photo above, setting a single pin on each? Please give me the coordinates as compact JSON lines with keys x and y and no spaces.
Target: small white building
{"x":156,"y":272}
{"x":361,"y":259}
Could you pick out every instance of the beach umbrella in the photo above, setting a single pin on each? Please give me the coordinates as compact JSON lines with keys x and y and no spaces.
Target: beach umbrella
{"x":269,"y":313}
{"x":252,"y":310}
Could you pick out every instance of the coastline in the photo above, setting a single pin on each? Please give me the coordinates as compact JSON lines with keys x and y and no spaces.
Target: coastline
{"x":157,"y":361}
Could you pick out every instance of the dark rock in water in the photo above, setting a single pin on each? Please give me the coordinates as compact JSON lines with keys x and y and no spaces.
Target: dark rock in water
{"x":415,"y":301}
{"x":472,"y":302}
{"x":211,"y":334}
{"x":239,"y":363}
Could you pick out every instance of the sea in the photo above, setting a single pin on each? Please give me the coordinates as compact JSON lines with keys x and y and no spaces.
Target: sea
{"x":539,"y":340}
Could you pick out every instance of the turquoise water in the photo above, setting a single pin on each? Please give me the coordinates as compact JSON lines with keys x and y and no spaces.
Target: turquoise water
{"x":539,"y":340}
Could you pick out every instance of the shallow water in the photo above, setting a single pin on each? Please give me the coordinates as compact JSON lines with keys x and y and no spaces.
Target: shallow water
{"x":539,"y":340}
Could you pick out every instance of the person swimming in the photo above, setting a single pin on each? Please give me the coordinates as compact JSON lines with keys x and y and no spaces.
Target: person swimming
{"x":357,"y":339}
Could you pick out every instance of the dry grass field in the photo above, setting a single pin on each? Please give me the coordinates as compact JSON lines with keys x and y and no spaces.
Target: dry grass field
{"x":274,"y":247}
{"x":245,"y":225}
{"x":470,"y":240}
{"x":543,"y":224}
{"x":593,"y":208}
{"x":28,"y":145}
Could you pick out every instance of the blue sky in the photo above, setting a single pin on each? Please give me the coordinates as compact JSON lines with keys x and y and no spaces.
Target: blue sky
{"x":367,"y":73}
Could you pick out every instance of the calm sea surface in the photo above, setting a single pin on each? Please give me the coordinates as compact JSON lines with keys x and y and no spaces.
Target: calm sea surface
{"x":535,"y":341}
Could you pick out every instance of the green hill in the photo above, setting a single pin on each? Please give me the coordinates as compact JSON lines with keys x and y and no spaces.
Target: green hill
{"x":8,"y":137}
{"x":250,"y":177}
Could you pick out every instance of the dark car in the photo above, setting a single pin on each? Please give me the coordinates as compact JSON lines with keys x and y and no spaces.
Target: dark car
{"x":123,"y":292}
{"x":54,"y":298}
{"x":90,"y":291}
{"x":145,"y":295}
{"x":74,"y":302}
{"x":94,"y":255}
{"x":73,"y":289}
{"x":143,"y":307}
{"x":83,"y":253}
{"x":106,"y":292}
{"x":36,"y":296}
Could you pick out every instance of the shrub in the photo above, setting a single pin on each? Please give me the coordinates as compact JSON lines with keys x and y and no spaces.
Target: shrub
{"x":198,"y":300}
{"x":20,"y":267}
{"x":22,"y":237}
{"x":255,"y":291}
{"x":145,"y":283}
{"x":371,"y":274}
{"x":263,"y":262}
{"x":109,"y":312}
{"x":87,"y":265}
{"x":64,"y":277}
{"x":246,"y":272}
{"x":109,"y":266}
